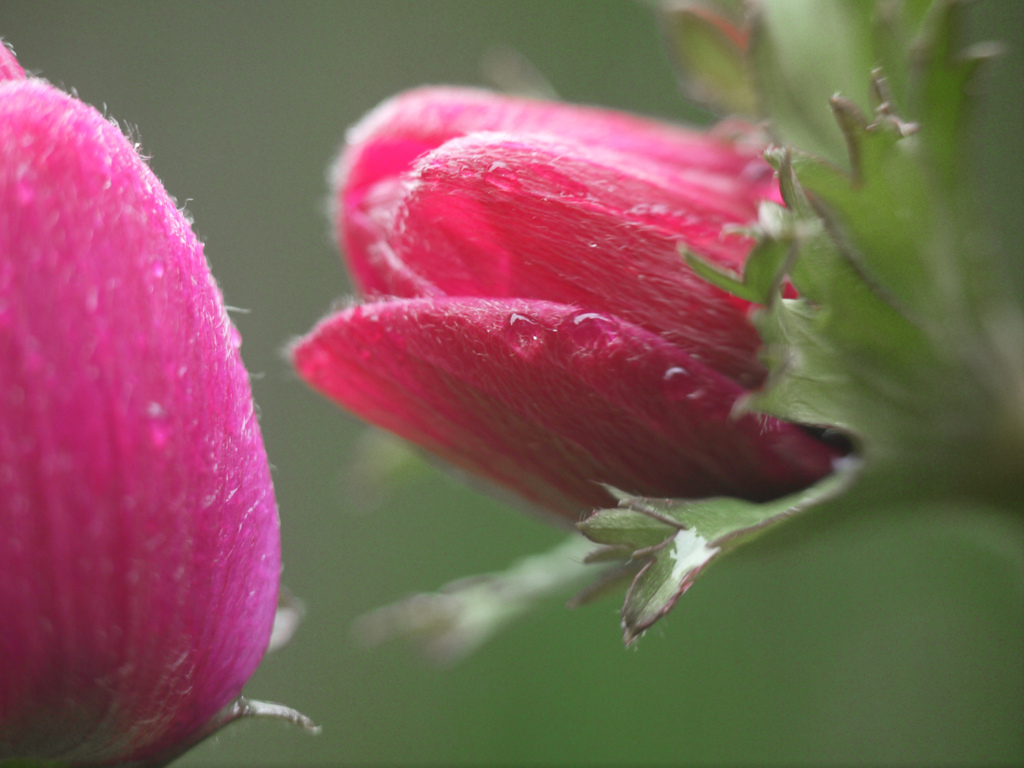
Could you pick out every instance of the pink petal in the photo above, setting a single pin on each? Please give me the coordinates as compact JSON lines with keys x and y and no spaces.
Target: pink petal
{"x":388,"y":139}
{"x":503,"y":215}
{"x":139,"y":560}
{"x":549,"y":401}
{"x":499,"y":216}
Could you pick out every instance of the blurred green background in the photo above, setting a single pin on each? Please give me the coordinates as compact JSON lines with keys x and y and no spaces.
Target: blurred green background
{"x":868,"y":639}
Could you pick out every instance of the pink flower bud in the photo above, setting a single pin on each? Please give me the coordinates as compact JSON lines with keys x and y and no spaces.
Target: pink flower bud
{"x":139,"y":555}
{"x":533,"y":320}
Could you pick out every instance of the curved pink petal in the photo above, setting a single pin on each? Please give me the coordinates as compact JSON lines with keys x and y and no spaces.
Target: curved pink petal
{"x":501,"y":215}
{"x":550,"y":401}
{"x":139,"y":560}
{"x":392,"y":136}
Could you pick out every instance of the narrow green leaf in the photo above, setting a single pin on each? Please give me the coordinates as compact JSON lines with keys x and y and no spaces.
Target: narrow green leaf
{"x":623,"y":526}
{"x":766,"y":265}
{"x":723,"y":278}
{"x":454,"y":621}
{"x":765,"y":270}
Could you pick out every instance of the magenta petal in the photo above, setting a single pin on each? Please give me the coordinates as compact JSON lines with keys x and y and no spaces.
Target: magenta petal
{"x":389,"y":139}
{"x":139,"y":560}
{"x":502,"y":216}
{"x":549,"y":401}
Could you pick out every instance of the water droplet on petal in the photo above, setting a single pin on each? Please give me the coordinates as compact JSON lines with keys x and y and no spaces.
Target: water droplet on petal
{"x":502,"y":177}
{"x":673,"y":372}
{"x":592,"y":329}
{"x":522,"y":332}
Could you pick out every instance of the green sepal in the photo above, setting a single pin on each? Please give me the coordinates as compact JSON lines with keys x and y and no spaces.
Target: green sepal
{"x":940,"y":99}
{"x":662,"y":580}
{"x":883,"y":208}
{"x":902,"y":332}
{"x":900,"y":336}
{"x":896,"y":25}
{"x":802,"y":52}
{"x":669,"y":542}
{"x":763,"y":271}
{"x":627,"y":526}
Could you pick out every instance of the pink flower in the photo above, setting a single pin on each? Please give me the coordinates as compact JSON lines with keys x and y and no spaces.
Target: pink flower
{"x":139,"y":555}
{"x":530,"y":318}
